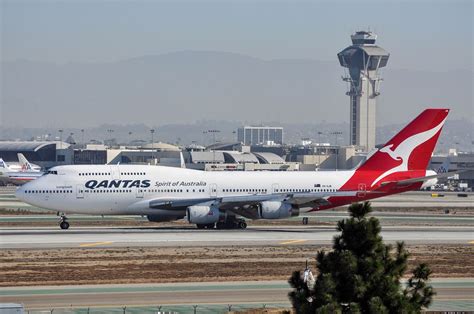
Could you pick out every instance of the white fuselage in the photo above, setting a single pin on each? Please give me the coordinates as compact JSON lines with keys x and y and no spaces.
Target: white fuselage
{"x":18,"y":167}
{"x":127,"y":189}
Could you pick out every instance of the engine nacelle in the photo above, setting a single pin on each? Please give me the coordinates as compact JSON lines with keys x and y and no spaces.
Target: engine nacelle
{"x":202,"y":214}
{"x":163,"y":218}
{"x":277,"y":210}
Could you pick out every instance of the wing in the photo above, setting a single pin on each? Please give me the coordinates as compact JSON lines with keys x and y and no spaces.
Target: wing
{"x":245,"y":205}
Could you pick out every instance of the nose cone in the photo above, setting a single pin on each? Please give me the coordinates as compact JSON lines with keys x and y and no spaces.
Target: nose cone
{"x":20,"y":193}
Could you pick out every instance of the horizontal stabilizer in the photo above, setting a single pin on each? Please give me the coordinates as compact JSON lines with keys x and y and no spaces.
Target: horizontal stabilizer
{"x":422,"y":179}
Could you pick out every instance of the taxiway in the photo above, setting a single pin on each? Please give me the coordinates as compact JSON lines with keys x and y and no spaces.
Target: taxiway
{"x":254,"y":235}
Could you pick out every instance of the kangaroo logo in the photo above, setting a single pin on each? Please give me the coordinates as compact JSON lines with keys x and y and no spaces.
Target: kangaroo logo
{"x":403,"y":151}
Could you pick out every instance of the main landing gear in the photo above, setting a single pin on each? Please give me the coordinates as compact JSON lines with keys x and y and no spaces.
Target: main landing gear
{"x":230,"y":223}
{"x":205,"y":226}
{"x":63,"y":224}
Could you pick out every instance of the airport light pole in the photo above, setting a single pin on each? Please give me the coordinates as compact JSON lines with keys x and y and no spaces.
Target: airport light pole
{"x":82,"y":137}
{"x":336,"y":134}
{"x":129,"y":137}
{"x":214,"y":132}
{"x":110,"y":131}
{"x":152,"y":131}
{"x":204,"y":137}
{"x":319,"y":149}
{"x":319,"y":137}
{"x":60,"y":138}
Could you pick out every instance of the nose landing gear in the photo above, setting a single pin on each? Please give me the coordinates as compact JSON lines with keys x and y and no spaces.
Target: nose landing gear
{"x":63,"y":224}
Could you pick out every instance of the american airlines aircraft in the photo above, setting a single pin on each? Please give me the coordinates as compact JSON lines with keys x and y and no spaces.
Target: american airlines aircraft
{"x":216,"y":199}
{"x":19,"y":173}
{"x":23,"y":165}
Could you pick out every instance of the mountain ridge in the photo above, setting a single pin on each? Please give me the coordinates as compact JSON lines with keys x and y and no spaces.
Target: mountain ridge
{"x":185,"y":86}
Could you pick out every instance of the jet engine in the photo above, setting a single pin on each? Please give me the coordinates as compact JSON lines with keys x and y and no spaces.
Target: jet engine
{"x":202,"y":214}
{"x":277,"y":210}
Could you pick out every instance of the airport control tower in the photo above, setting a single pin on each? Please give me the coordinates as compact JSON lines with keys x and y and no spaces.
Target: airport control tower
{"x":363,"y":60}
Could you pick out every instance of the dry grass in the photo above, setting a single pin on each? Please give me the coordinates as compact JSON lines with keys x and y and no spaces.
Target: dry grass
{"x":193,"y":264}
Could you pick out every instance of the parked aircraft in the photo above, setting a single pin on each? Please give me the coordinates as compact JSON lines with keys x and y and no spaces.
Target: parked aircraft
{"x":19,"y":173}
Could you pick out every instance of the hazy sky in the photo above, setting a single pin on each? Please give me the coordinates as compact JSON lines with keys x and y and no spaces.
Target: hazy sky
{"x":419,"y":34}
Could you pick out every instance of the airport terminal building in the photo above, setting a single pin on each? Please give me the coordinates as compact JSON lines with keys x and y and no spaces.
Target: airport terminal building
{"x":259,"y":135}
{"x":45,"y":154}
{"x":463,"y":162}
{"x":218,"y":157}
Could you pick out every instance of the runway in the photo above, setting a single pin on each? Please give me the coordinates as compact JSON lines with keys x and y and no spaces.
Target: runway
{"x":37,"y":231}
{"x":255,"y":235}
{"x":425,"y":199}
{"x":213,"y":297}
{"x":385,"y":218}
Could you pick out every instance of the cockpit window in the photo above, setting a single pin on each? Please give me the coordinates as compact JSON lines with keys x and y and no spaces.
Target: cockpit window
{"x":52,"y":172}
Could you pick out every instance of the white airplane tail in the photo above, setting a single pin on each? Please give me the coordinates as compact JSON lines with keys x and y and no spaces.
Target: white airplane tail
{"x":182,"y":164}
{"x":444,"y":166}
{"x":25,"y":164}
{"x":3,"y":164}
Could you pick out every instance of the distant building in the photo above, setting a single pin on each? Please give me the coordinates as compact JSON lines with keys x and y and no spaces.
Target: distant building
{"x":327,"y":157}
{"x":260,"y":135}
{"x":43,"y":153}
{"x":463,"y":162}
{"x":90,"y":157}
{"x":236,"y":160}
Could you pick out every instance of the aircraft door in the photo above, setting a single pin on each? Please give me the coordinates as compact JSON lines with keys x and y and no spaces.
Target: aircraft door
{"x":140,"y":193}
{"x":213,"y":190}
{"x":79,"y":191}
{"x":275,"y":188}
{"x":361,"y":190}
{"x":115,"y":172}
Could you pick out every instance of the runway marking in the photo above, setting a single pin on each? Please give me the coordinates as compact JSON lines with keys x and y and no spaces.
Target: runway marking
{"x":293,"y":241}
{"x":95,"y":244}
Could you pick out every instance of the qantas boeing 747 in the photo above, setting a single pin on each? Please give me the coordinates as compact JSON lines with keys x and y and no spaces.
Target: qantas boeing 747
{"x":217,"y":199}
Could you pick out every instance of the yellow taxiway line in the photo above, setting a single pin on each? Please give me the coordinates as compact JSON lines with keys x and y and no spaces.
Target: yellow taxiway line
{"x":95,"y":244}
{"x":293,"y":241}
